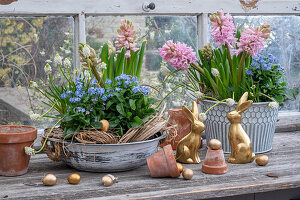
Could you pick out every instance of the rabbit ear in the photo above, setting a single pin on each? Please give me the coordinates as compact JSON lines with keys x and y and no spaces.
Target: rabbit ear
{"x":242,"y":100}
{"x":244,"y":106}
{"x":195,"y":110}
{"x":188,"y":113}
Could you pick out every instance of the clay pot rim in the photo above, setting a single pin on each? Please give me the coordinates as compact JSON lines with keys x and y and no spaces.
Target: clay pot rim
{"x":18,"y":126}
{"x":168,"y":151}
{"x":21,"y":137}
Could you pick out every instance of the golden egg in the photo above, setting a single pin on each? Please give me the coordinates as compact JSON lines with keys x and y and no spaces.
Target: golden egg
{"x":180,"y":167}
{"x":187,"y":174}
{"x":49,"y":180}
{"x":74,"y":178}
{"x":215,"y":144}
{"x":108,"y":180}
{"x":105,"y":125}
{"x":262,"y":160}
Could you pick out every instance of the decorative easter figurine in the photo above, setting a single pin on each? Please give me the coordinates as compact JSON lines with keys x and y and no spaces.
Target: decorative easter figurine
{"x":187,"y":148}
{"x":241,"y":147}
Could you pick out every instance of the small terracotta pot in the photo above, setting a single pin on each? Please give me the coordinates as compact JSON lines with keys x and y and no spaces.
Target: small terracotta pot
{"x":183,"y":127}
{"x":214,"y":162}
{"x":13,"y":139}
{"x":163,"y":163}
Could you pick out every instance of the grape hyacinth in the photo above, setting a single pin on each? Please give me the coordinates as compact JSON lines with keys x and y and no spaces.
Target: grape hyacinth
{"x":178,"y":55}
{"x":126,"y":38}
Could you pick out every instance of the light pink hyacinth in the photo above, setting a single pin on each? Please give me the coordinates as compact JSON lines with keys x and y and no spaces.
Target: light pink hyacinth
{"x":223,"y":29}
{"x":251,"y":41}
{"x":126,"y":38}
{"x":178,"y":55}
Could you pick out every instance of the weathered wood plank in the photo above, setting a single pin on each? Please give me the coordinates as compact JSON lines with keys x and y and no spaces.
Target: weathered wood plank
{"x":137,"y":184}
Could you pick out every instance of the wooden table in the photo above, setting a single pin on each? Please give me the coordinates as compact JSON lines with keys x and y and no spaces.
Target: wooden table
{"x":248,"y":181}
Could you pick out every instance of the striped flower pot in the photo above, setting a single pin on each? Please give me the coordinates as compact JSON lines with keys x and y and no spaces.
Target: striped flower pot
{"x":259,"y":122}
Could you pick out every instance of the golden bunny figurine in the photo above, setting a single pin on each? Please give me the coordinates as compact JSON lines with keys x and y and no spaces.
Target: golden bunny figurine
{"x":241,"y":147}
{"x":187,"y":148}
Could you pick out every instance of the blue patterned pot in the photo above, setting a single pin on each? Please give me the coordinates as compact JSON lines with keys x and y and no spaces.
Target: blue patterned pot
{"x":259,"y":122}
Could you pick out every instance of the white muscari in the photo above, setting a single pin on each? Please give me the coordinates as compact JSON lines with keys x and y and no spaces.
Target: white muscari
{"x":273,"y":105}
{"x":230,"y":102}
{"x":87,"y":74}
{"x":202,"y":117}
{"x":29,"y":151}
{"x":48,"y":61}
{"x":57,"y":60}
{"x":42,"y":53}
{"x":102,"y":65}
{"x":199,"y":94}
{"x":33,"y":84}
{"x":67,"y":63}
{"x":47,"y":69}
{"x":86,"y":51}
{"x":215,"y":72}
{"x":35,"y":117}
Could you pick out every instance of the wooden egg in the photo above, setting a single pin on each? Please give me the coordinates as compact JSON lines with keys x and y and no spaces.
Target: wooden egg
{"x":187,"y":174}
{"x":180,"y":167}
{"x":49,"y":180}
{"x":74,"y":178}
{"x":215,"y":144}
{"x":262,"y":160}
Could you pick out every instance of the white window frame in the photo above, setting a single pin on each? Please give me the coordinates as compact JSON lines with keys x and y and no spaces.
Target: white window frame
{"x":79,"y":9}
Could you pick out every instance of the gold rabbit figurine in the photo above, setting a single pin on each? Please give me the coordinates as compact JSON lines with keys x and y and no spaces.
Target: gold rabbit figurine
{"x":187,"y":148}
{"x":241,"y":147}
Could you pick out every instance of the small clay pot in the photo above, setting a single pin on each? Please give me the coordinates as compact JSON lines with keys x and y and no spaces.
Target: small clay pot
{"x":13,"y":139}
{"x":183,"y":127}
{"x":214,"y":162}
{"x":163,"y":163}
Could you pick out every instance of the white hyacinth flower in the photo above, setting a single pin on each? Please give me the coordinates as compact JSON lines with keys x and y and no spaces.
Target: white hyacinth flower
{"x":273,"y":105}
{"x":47,"y":69}
{"x":164,"y":70}
{"x":230,"y":102}
{"x":67,"y":51}
{"x":202,"y":117}
{"x":35,"y":116}
{"x":199,"y":94}
{"x":58,"y":60}
{"x":215,"y":72}
{"x":86,"y":51}
{"x":33,"y":84}
{"x":29,"y":151}
{"x":48,"y":61}
{"x":67,"y":63}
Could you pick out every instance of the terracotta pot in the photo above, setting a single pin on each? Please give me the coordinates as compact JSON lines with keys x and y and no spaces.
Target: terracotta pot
{"x":163,"y":163}
{"x":183,"y":127}
{"x":13,"y":139}
{"x":214,"y":162}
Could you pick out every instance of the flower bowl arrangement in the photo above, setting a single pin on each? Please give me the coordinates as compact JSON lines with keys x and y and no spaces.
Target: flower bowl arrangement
{"x":225,"y":73}
{"x":107,"y":119}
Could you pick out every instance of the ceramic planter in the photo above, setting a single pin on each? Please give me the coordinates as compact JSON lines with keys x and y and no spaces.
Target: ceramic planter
{"x":107,"y":157}
{"x":183,"y":127}
{"x":163,"y":163}
{"x":214,"y":162}
{"x":13,"y":139}
{"x":259,"y":122}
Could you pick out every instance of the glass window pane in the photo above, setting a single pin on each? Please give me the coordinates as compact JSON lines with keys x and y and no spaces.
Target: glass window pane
{"x":26,"y":45}
{"x":156,"y":30}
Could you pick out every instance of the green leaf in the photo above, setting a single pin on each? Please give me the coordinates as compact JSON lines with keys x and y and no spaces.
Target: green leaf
{"x":120,"y":109}
{"x":140,"y":62}
{"x":108,"y":104}
{"x":129,"y":114}
{"x":132,"y":104}
{"x":104,"y":53}
{"x":138,"y":120}
{"x":97,"y":124}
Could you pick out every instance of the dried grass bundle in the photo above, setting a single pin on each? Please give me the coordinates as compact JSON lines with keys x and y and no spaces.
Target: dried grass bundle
{"x":96,"y":137}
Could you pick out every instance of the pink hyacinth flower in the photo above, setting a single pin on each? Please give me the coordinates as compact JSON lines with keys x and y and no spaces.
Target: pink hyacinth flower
{"x":223,"y":29}
{"x":178,"y":55}
{"x":127,"y":37}
{"x":251,"y":41}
